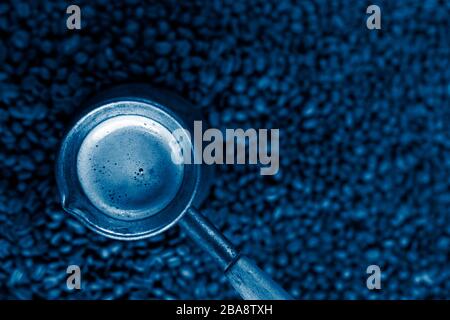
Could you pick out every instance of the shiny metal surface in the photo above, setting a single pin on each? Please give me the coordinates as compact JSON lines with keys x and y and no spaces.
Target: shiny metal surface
{"x":115,"y":171}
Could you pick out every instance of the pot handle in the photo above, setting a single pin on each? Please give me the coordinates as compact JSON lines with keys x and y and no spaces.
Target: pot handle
{"x":245,"y":276}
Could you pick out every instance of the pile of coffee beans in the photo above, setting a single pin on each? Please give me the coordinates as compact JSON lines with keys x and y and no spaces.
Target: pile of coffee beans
{"x":364,"y":143}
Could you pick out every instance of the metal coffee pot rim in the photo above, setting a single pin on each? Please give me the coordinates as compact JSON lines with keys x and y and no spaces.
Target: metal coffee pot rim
{"x":115,"y":173}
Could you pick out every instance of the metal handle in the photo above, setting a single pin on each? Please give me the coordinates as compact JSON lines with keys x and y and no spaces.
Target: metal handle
{"x":249,"y":281}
